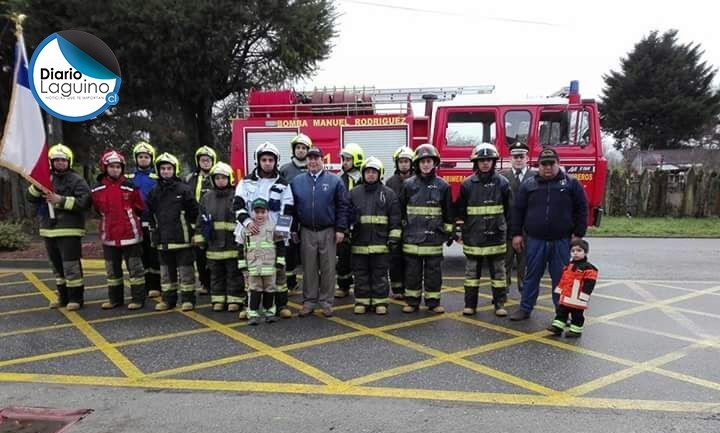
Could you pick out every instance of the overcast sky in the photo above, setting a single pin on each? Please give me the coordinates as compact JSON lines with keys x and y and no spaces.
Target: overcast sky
{"x":525,"y":48}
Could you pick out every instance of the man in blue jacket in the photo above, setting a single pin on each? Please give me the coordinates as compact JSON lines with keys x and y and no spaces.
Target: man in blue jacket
{"x":322,"y":211}
{"x":551,"y":209}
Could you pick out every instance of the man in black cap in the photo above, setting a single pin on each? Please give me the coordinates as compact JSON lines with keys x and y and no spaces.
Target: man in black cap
{"x":516,"y":174}
{"x":549,"y":210}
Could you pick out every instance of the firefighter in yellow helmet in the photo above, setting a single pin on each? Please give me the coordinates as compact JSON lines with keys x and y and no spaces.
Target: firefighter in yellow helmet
{"x":402,"y":158}
{"x":200,"y":183}
{"x":145,"y":178}
{"x":376,"y":231}
{"x":69,"y":199}
{"x":483,"y":207}
{"x":352,"y":157}
{"x":427,"y":212}
{"x":172,"y":210}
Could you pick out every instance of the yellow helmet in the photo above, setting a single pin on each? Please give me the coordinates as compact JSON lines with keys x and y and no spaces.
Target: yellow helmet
{"x":222,"y":169}
{"x":354,"y":151}
{"x":60,"y":151}
{"x":375,"y":163}
{"x":205,"y":151}
{"x":167,"y":158}
{"x":300,"y":139}
{"x":144,"y":147}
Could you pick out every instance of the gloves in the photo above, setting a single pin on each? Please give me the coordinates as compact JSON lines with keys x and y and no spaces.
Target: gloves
{"x":393,"y":246}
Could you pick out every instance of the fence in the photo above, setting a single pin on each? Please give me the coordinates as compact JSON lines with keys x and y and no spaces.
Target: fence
{"x":695,"y":193}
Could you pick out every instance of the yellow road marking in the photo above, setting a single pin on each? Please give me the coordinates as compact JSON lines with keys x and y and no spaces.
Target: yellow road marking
{"x":114,"y":355}
{"x":45,"y":356}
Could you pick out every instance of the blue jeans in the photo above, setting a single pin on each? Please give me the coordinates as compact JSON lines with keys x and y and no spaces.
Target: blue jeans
{"x":554,"y":254}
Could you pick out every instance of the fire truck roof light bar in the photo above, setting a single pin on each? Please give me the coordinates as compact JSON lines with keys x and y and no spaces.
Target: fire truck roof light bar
{"x":403,"y":94}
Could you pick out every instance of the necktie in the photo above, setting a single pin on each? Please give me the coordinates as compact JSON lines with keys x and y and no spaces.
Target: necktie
{"x":518,"y":174}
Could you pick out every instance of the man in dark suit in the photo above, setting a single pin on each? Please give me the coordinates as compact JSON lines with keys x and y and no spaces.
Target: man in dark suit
{"x":516,"y":174}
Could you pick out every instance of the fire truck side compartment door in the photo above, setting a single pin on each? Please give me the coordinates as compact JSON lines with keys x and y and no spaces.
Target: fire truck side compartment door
{"x":280,"y":138}
{"x":380,"y":143}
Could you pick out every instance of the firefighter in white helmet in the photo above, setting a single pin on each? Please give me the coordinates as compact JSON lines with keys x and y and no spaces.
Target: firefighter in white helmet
{"x":376,"y":231}
{"x":482,"y":210}
{"x":70,"y":198}
{"x":265,"y":182}
{"x":402,"y":157}
{"x":352,"y":156}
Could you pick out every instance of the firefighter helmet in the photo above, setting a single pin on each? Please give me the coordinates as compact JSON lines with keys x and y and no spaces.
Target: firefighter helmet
{"x":300,"y":139}
{"x":267,"y":147}
{"x":224,"y":169}
{"x":111,"y":157}
{"x":167,"y":158}
{"x":205,"y":151}
{"x":144,"y":147}
{"x":403,"y":152}
{"x":426,"y":150}
{"x":484,"y":151}
{"x":373,"y":162}
{"x":354,"y":151}
{"x":60,"y":151}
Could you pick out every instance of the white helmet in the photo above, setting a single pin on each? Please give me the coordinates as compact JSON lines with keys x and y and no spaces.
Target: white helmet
{"x":267,"y":147}
{"x":484,"y":151}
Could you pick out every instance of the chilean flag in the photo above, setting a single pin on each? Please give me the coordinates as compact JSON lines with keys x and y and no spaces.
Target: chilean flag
{"x":23,"y":148}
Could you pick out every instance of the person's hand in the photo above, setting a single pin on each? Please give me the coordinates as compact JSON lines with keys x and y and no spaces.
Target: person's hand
{"x":518,"y":243}
{"x":254,"y":229}
{"x":393,"y":246}
{"x":53,"y":198}
{"x":339,"y":237}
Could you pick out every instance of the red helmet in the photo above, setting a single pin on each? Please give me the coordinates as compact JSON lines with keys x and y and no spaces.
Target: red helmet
{"x":111,"y":157}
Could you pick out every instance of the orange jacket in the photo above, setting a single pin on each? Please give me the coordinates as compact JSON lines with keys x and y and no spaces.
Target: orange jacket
{"x":576,"y":284}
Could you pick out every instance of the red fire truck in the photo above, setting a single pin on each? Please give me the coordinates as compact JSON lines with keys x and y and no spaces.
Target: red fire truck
{"x":454,"y":120}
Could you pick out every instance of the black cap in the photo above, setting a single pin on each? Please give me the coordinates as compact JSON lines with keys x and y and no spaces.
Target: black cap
{"x":259,"y":202}
{"x":519,"y":147}
{"x":315,"y":151}
{"x":548,"y":154}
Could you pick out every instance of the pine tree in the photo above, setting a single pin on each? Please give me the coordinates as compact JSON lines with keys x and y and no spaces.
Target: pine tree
{"x":662,"y":95}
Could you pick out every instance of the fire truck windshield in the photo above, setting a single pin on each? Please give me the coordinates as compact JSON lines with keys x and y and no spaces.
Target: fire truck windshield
{"x":469,"y":128}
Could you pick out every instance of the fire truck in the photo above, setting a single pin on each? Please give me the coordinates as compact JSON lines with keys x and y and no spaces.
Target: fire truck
{"x":453,"y":119}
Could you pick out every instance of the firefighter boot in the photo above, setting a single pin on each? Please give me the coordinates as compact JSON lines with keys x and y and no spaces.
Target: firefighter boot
{"x":467,"y":311}
{"x":359,"y":309}
{"x":243,"y":315}
{"x":409,"y":308}
{"x":135,"y":306}
{"x":500,"y":310}
{"x":76,"y":298}
{"x":62,"y":299}
{"x":439,"y":309}
{"x":154,"y":293}
{"x":163,"y":306}
{"x":233,"y":307}
{"x":218,"y":306}
{"x":381,"y":310}
{"x":340,"y":293}
{"x":187,"y":306}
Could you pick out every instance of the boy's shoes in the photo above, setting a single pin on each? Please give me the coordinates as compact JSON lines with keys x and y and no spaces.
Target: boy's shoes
{"x":163,"y":306}
{"x":219,"y":307}
{"x":306,"y":311}
{"x":109,"y":305}
{"x":381,"y":310}
{"x":242,"y":315}
{"x":187,"y":306}
{"x":154,"y":293}
{"x":135,"y":306}
{"x":285,"y":313}
{"x":340,"y":293}
{"x":73,"y":306}
{"x":359,"y":309}
{"x":554,"y":329}
{"x":253,"y":321}
{"x":409,"y":309}
{"x":573,"y":334}
{"x":327,"y":312}
{"x":233,"y":307}
{"x":467,"y":311}
{"x":271,"y":319}
{"x":500,"y":310}
{"x":438,"y":309}
{"x":519,"y":314}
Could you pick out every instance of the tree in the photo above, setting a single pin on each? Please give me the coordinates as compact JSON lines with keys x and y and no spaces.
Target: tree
{"x":179,"y":57}
{"x":662,"y":95}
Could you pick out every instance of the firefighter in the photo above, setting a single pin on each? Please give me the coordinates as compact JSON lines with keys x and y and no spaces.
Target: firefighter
{"x":265,"y":182}
{"x":215,"y":234}
{"x":402,"y":158}
{"x":145,"y":179}
{"x":482,"y":212}
{"x":172,"y":210}
{"x":428,"y":223}
{"x":200,"y":183}
{"x":62,"y":233}
{"x":299,"y":147}
{"x":352,"y":157}
{"x":262,"y":256}
{"x":375,"y":233}
{"x":120,"y":205}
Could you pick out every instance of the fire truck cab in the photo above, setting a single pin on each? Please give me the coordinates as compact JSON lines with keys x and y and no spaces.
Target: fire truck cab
{"x":455,"y":120}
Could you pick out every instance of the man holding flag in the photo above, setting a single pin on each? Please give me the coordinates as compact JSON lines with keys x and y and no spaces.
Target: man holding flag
{"x":61,"y":198}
